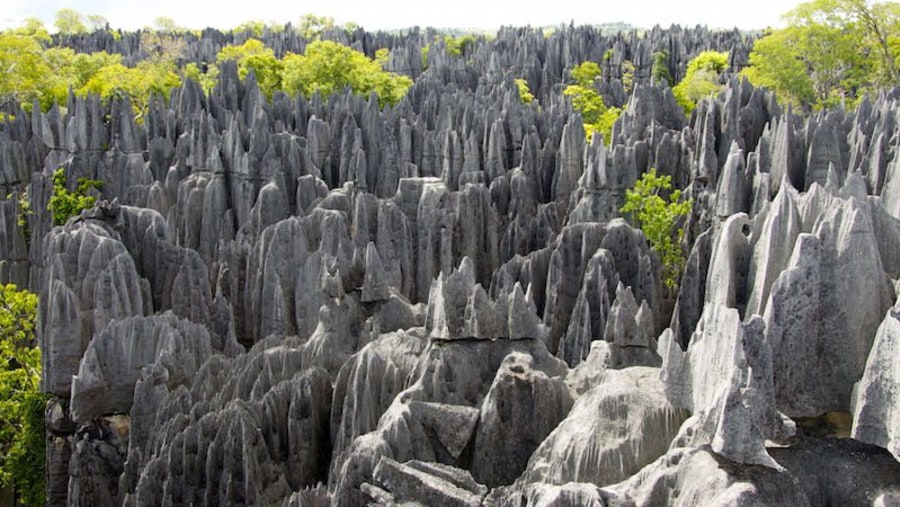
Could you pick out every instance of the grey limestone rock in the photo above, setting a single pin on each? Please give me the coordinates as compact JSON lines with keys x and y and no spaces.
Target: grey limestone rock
{"x":807,"y":314}
{"x":367,"y":384}
{"x":601,"y":191}
{"x":575,"y":344}
{"x":692,"y":290}
{"x":612,"y":431}
{"x":772,"y":250}
{"x":635,"y":267}
{"x":568,"y":260}
{"x":876,"y":418}
{"x":787,"y":157}
{"x":824,"y":152}
{"x":726,"y":281}
{"x":14,"y":246}
{"x":91,"y":281}
{"x":570,"y":164}
{"x":96,"y":463}
{"x":550,"y":495}
{"x":630,"y":332}
{"x":700,"y":477}
{"x":735,"y":419}
{"x":733,"y":192}
{"x":258,"y":429}
{"x":461,"y":309}
{"x":887,"y":233}
{"x":509,"y":429}
{"x":113,"y":361}
{"x":375,"y":286}
{"x":454,"y":381}
{"x":428,"y":483}
{"x":840,"y":471}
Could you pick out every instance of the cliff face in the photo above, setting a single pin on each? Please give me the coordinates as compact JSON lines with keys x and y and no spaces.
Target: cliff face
{"x":304,"y":302}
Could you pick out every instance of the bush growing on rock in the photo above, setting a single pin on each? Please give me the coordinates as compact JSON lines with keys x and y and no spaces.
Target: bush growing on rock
{"x":524,"y":93}
{"x":701,"y":79}
{"x":595,"y":114}
{"x":659,"y":218}
{"x":65,"y":203}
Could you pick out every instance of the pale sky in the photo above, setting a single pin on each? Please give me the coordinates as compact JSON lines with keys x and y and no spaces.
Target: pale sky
{"x":390,"y":14}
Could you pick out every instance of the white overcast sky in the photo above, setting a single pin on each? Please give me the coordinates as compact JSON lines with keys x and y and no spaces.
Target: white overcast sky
{"x":389,"y":14}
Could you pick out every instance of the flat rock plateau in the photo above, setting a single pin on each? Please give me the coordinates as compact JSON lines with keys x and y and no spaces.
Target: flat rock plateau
{"x":309,"y":302}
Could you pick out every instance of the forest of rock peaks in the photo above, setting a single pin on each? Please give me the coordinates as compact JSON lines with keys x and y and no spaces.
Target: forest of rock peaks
{"x":322,"y":301}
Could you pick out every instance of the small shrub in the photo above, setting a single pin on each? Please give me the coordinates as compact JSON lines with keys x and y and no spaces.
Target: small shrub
{"x":525,"y":94}
{"x":660,"y":70}
{"x":65,"y":204}
{"x":595,"y":114}
{"x":658,"y":219}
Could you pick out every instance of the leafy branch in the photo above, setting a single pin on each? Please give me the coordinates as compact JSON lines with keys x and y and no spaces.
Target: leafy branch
{"x":658,"y":218}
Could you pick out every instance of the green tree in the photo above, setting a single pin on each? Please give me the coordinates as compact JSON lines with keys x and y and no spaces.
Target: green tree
{"x":166,"y":25}
{"x":254,"y":55}
{"x":658,"y":218}
{"x":30,"y":72}
{"x":595,"y":114}
{"x":96,"y":22}
{"x":312,"y":26}
{"x":585,"y":74}
{"x":425,"y":50}
{"x":525,"y":94}
{"x":254,"y":28}
{"x":86,"y":65}
{"x":206,"y":78}
{"x":459,"y":46}
{"x":327,"y":67}
{"x":830,"y":51}
{"x":22,"y":442}
{"x":33,"y":27}
{"x":701,"y":79}
{"x":628,"y":76}
{"x":22,"y":69}
{"x":65,"y":203}
{"x":104,"y":74}
{"x":53,"y":86}
{"x":70,"y":22}
{"x":775,"y":64}
{"x":660,"y":68}
{"x":137,"y":84}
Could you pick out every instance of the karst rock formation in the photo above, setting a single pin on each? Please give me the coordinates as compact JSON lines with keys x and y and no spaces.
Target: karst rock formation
{"x":320,"y":301}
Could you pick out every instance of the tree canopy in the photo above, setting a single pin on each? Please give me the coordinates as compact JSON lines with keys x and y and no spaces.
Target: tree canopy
{"x":32,"y":71}
{"x":22,"y":405}
{"x":830,"y":51}
{"x":254,"y":55}
{"x":701,"y":79}
{"x":327,"y":67}
{"x":70,"y":21}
